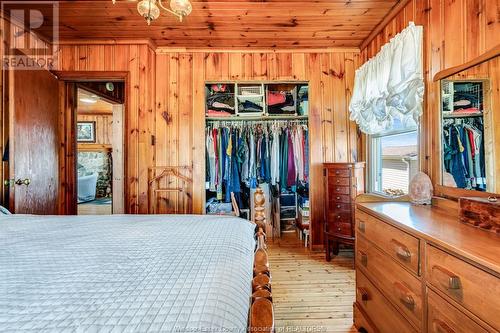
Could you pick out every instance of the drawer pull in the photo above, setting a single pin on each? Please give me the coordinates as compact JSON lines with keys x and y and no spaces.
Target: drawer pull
{"x":361,"y":226}
{"x":338,"y":206}
{"x":401,"y":250}
{"x":363,"y":257}
{"x":405,"y":295}
{"x":338,"y":181}
{"x":441,"y":327}
{"x":363,"y":294}
{"x":337,"y":172}
{"x":446,"y":278}
{"x":338,"y":217}
{"x":338,"y":198}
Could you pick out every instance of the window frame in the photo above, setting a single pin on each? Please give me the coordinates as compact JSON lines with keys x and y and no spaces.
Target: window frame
{"x":374,"y":163}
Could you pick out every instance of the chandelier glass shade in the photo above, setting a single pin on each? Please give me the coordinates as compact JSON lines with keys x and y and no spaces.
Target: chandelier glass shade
{"x":151,"y":9}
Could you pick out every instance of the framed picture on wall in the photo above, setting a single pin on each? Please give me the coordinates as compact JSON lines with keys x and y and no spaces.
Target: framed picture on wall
{"x":85,"y":131}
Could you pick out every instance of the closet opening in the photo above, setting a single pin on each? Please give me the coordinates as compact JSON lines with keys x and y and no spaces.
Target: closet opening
{"x":99,"y":142}
{"x":257,"y":135}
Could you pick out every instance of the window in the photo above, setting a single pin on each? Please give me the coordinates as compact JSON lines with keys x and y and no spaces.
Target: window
{"x":393,"y":159}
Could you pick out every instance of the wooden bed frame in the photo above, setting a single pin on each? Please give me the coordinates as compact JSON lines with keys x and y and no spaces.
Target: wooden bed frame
{"x":261,"y":314}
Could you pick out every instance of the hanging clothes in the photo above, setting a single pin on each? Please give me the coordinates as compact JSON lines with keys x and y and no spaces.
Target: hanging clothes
{"x":242,"y":156}
{"x":463,"y":148}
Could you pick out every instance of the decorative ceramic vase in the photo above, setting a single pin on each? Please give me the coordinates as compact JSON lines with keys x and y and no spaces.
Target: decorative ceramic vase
{"x":420,"y":191}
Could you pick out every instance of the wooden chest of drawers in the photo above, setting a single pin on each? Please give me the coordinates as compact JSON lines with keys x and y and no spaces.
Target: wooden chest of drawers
{"x":423,"y":269}
{"x":343,"y":182}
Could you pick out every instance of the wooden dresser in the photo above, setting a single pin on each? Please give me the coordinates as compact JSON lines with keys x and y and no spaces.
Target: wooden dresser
{"x":343,"y":182}
{"x":418,"y":269}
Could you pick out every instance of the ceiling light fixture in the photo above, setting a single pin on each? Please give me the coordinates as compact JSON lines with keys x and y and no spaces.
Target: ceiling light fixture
{"x":92,"y":99}
{"x":150,"y":9}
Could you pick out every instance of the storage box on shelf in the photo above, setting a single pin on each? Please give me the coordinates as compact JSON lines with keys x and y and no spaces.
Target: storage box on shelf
{"x":250,"y":99}
{"x":220,"y":100}
{"x":281,"y":99}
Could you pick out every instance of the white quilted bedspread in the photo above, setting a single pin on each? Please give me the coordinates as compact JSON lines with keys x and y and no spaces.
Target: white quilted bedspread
{"x":125,"y":273}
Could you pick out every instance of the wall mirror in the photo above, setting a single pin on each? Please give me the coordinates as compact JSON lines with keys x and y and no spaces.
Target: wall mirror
{"x":470,"y":130}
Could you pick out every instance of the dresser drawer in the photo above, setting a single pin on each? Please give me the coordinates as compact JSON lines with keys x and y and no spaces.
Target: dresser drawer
{"x":345,"y":216}
{"x":340,"y":228}
{"x":340,"y":207}
{"x":339,"y":181}
{"x":473,"y":288}
{"x":338,"y":189}
{"x":398,"y":244}
{"x":339,"y":198}
{"x":383,"y":315}
{"x":444,"y":318}
{"x":402,"y":288}
{"x":339,"y":172}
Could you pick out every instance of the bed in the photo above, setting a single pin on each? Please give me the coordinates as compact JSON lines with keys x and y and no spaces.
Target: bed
{"x":180,"y":273}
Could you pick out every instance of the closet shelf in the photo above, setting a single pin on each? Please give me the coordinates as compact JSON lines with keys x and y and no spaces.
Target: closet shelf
{"x":263,"y":118}
{"x":462,"y":115}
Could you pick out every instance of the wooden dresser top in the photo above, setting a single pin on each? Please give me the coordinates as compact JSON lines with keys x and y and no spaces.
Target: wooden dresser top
{"x":439,"y":227}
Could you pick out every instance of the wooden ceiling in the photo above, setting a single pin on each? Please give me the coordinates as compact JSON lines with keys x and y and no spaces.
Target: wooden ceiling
{"x":231,"y":24}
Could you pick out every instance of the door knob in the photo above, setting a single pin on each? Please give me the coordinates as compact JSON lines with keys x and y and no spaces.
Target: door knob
{"x":26,"y":181}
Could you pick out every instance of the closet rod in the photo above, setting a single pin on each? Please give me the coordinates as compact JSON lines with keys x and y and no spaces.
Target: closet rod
{"x":265,"y":118}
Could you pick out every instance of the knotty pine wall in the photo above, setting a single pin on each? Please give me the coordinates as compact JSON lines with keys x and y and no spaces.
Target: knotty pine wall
{"x":166,"y":99}
{"x":455,"y":31}
{"x":139,"y":61}
{"x":103,"y":128}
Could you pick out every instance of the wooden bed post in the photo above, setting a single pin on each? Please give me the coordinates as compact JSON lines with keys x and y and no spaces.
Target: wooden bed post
{"x":261,"y":317}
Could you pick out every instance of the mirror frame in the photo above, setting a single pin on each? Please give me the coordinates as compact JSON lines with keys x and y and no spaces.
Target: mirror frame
{"x":436,"y":141}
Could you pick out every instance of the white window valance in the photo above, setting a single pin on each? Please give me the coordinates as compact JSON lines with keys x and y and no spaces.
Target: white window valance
{"x":390,"y":85}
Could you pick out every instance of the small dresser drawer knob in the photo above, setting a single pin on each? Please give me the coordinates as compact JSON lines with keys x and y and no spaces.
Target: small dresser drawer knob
{"x":338,"y":229}
{"x":338,"y":217}
{"x":405,"y":295}
{"x":338,"y":206}
{"x":337,"y":172}
{"x":338,"y":198}
{"x":446,"y":278}
{"x":338,"y":181}
{"x":401,"y":250}
{"x":441,"y":327}
{"x":363,"y":258}
{"x":363,"y":294}
{"x":361,"y":226}
{"x":338,"y":189}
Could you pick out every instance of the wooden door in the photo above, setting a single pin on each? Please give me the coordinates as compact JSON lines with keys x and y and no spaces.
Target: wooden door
{"x":34,"y":142}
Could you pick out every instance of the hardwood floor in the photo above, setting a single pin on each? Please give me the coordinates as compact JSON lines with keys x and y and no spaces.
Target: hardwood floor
{"x":90,"y":209}
{"x":310,"y":294}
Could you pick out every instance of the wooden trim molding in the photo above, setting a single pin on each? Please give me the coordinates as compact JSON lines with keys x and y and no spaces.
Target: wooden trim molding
{"x":392,"y":14}
{"x":113,"y":41}
{"x":494,"y":52}
{"x":94,"y":147}
{"x":91,"y":75}
{"x":167,"y":49}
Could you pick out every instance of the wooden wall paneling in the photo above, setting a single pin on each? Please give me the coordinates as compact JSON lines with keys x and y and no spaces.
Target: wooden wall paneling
{"x":139,"y":61}
{"x":198,"y":123}
{"x":351,"y":62}
{"x":327,"y":126}
{"x":104,"y":127}
{"x":455,"y":31}
{"x":186,"y":114}
{"x":316,"y":196}
{"x":173,"y":128}
{"x":340,"y":116}
{"x":163,"y":120}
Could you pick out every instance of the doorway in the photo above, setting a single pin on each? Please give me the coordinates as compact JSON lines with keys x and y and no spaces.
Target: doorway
{"x":99,"y":148}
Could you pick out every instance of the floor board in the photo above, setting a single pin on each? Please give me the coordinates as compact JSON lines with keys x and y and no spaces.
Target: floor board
{"x":310,"y":294}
